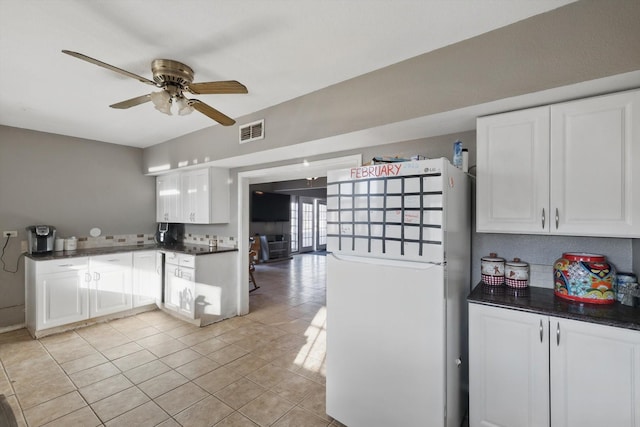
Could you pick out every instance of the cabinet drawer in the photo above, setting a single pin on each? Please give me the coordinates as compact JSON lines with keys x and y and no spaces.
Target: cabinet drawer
{"x":188,"y":261}
{"x":171,"y":258}
{"x":62,"y":265}
{"x":124,"y":259}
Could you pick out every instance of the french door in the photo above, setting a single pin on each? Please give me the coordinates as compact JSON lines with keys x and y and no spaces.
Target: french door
{"x":306,"y":225}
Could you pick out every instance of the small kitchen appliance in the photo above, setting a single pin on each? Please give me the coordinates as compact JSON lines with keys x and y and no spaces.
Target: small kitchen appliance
{"x":169,"y":233}
{"x":40,"y":239}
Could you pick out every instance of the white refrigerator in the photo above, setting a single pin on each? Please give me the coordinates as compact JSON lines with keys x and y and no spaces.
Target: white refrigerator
{"x":397,"y":278}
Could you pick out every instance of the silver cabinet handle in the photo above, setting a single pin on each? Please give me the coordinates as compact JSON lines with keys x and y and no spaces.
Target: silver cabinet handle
{"x":96,"y":276}
{"x":87,"y":277}
{"x":558,"y":334}
{"x":541,"y":331}
{"x":557,"y":218}
{"x":543,"y":218}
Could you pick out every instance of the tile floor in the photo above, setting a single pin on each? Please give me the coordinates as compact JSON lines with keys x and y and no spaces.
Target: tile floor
{"x":266,"y":368}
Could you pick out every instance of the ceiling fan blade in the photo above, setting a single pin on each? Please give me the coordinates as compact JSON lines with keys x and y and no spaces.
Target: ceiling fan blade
{"x":207,"y":88}
{"x":132,"y":102}
{"x":211,"y":112}
{"x":110,"y":67}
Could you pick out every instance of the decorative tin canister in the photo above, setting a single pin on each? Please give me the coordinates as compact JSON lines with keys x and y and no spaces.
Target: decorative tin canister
{"x":516,"y":273}
{"x":625,"y":282}
{"x":492,"y":269}
{"x":585,"y":278}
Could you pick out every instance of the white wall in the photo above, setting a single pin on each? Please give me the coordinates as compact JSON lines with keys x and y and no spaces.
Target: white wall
{"x":73,"y":184}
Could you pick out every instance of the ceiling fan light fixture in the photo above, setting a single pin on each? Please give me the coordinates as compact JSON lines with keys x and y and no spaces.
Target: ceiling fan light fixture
{"x":162,"y":101}
{"x":184,"y":108}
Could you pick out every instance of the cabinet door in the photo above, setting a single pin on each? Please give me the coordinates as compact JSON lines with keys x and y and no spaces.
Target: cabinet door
{"x":147,"y":280}
{"x":179,"y":291}
{"x":62,"y":297}
{"x":508,"y":368}
{"x":110,"y":290}
{"x":195,"y":196}
{"x":168,"y":207}
{"x":512,"y":193}
{"x":594,"y":375}
{"x":595,"y":166}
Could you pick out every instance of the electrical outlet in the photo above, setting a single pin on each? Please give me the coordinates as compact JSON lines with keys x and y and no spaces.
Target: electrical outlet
{"x":9,"y":234}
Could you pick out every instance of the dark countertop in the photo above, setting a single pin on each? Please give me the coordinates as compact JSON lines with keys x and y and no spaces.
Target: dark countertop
{"x":543,"y":301}
{"x":189,"y":249}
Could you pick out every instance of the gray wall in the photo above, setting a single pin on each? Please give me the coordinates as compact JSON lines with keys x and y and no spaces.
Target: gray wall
{"x":73,"y":184}
{"x":582,"y":41}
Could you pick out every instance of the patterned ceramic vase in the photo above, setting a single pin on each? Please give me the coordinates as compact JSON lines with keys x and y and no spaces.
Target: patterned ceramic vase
{"x":585,"y":277}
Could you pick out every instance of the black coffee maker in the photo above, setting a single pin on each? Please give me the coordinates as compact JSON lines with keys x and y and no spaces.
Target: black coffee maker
{"x":169,"y":233}
{"x":40,"y":238}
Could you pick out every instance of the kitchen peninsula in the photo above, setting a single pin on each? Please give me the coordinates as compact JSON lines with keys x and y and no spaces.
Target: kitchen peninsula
{"x":69,"y":289}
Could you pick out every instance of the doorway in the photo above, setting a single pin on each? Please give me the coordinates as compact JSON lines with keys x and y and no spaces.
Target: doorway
{"x":279,"y":173}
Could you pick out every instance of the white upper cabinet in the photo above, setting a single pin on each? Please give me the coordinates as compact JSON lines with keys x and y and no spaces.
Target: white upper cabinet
{"x":513,"y":172}
{"x":595,"y":148}
{"x":195,"y":196}
{"x":168,"y":198}
{"x":199,"y":196}
{"x":563,"y":169}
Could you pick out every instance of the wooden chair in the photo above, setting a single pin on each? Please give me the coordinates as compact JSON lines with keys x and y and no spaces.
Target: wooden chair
{"x":253,"y":253}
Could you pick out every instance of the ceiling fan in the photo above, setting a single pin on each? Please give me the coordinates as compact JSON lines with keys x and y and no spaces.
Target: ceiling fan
{"x":174,"y":78}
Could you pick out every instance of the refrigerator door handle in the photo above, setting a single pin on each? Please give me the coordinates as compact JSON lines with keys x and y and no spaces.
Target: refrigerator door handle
{"x":386,"y":262}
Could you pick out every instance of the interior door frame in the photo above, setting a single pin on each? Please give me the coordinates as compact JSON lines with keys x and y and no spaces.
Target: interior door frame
{"x":299,"y":170}
{"x":319,"y":246}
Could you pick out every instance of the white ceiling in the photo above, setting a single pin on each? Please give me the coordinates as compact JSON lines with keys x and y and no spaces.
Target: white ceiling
{"x":280,"y":49}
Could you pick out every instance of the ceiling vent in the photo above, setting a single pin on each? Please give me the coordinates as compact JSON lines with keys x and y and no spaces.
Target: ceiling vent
{"x":252,"y":131}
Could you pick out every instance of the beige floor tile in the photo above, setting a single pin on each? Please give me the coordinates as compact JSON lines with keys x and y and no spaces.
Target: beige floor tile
{"x":137,"y":334}
{"x":122,"y":350}
{"x":128,"y":324}
{"x":270,"y":375}
{"x":227,"y":354}
{"x":133,"y":360}
{"x":166,"y":348}
{"x":32,"y":394}
{"x":169,"y":423}
{"x":146,"y":415}
{"x":239,"y":393}
{"x":5,"y":384}
{"x":154,"y":340}
{"x":316,"y":402}
{"x":94,"y":374}
{"x":17,"y":410}
{"x":83,"y":417}
{"x":71,"y":350}
{"x":217,"y":380}
{"x":54,"y":408}
{"x":163,"y":383}
{"x":147,"y":371}
{"x":181,"y":398}
{"x":236,"y":420}
{"x":180,"y":358}
{"x":198,"y":367}
{"x":209,"y":346}
{"x":105,"y":388}
{"x":299,"y":417}
{"x":205,"y":413}
{"x":119,"y":403}
{"x":181,"y":330}
{"x":82,"y":363}
{"x":295,"y":388}
{"x":266,"y":408}
{"x":247,"y":364}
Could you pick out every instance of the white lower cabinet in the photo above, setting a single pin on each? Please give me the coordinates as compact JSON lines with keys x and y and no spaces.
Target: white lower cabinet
{"x":56,"y":292}
{"x":147,"y":278}
{"x":202,"y":288}
{"x":63,"y":291}
{"x":110,"y":286}
{"x":529,"y":369}
{"x":180,"y":285}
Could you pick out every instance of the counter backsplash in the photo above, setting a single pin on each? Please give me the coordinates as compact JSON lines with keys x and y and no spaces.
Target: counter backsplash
{"x":88,"y":242}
